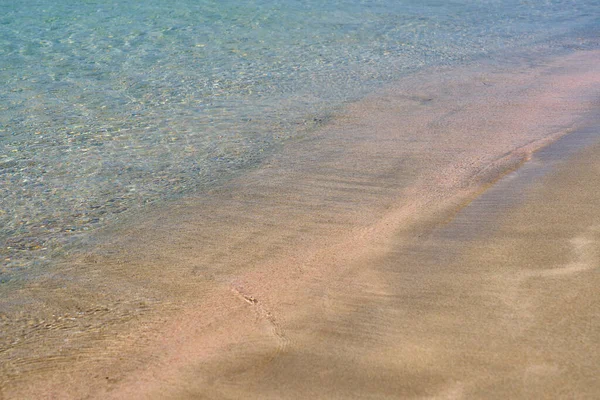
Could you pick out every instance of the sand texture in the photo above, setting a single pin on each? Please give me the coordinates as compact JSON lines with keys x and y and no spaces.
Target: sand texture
{"x":363,"y":261}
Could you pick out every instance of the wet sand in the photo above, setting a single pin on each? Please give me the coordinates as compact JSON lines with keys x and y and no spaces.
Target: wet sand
{"x":365,"y":261}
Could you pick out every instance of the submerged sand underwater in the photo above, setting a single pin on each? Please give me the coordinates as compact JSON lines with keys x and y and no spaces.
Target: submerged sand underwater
{"x":350,"y":264}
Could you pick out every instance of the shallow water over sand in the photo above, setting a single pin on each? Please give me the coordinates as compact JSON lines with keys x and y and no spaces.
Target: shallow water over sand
{"x":108,"y":108}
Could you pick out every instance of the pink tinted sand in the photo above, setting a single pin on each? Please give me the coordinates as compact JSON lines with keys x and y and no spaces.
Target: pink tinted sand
{"x":288,"y":282}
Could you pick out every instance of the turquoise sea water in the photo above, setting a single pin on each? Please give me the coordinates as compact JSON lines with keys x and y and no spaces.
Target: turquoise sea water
{"x":107,"y":107}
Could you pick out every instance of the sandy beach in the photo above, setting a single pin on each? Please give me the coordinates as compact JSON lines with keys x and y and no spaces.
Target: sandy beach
{"x":419,"y":244}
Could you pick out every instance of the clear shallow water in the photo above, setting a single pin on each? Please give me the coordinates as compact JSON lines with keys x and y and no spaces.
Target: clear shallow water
{"x":107,"y":107}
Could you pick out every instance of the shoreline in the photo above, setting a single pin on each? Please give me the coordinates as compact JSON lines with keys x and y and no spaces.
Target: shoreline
{"x":47,"y":251}
{"x":267,"y":251}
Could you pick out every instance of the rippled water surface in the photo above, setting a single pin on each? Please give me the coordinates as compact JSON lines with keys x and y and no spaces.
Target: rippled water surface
{"x":108,"y":106}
